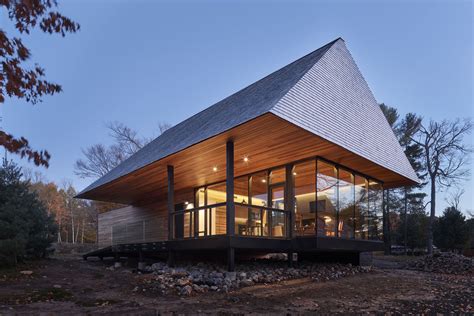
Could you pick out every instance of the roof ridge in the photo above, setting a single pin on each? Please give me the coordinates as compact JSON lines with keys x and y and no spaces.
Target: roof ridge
{"x":255,"y":99}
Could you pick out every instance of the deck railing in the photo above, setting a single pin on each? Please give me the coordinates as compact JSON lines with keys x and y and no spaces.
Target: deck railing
{"x":250,"y":220}
{"x":136,"y":232}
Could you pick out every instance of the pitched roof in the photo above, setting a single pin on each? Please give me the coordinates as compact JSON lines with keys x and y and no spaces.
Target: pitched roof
{"x":322,"y":92}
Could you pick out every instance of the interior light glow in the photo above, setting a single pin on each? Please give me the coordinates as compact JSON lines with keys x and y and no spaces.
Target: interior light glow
{"x":214,"y":169}
{"x":246,"y":159}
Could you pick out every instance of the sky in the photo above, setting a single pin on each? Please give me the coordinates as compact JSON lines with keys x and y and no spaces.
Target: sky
{"x":143,"y":62}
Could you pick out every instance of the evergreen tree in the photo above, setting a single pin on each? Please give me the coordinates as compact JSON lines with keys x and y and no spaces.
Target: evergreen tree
{"x":451,"y":230}
{"x":26,"y":229}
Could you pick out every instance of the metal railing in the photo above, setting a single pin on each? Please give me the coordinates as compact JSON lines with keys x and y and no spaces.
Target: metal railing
{"x":200,"y":221}
{"x":250,"y":220}
{"x":261,"y":221}
{"x":137,"y":231}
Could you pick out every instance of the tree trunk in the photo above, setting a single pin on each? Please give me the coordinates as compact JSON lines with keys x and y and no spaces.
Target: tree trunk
{"x":82,"y":234}
{"x":72,"y":227}
{"x":59,"y":232}
{"x":405,"y":232}
{"x":432,"y":215}
{"x":386,"y":233}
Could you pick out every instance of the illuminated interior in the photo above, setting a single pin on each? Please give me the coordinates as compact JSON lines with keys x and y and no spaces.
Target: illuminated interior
{"x":329,"y":201}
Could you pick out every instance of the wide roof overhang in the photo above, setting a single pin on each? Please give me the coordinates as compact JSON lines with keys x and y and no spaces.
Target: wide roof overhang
{"x":268,"y":141}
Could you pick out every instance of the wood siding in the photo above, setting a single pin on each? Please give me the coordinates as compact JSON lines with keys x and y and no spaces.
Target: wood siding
{"x":136,"y":224}
{"x":133,"y":225}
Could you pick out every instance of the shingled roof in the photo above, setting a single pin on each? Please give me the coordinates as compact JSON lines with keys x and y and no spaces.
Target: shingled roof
{"x":322,"y":92}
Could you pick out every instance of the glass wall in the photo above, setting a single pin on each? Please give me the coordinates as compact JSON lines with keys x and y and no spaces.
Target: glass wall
{"x":326,"y":185}
{"x":345,"y":226}
{"x":304,"y":175}
{"x":208,"y":221}
{"x":375,"y":222}
{"x":361,"y":207}
{"x":259,"y":189}
{"x":329,"y":201}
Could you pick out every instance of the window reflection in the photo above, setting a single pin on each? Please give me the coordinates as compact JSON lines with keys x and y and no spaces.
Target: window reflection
{"x":375,"y":210}
{"x":241,"y":190}
{"x":277,"y":176}
{"x":305,"y":198}
{"x":259,"y":189}
{"x":346,"y":204}
{"x":326,"y":199}
{"x":361,"y":209}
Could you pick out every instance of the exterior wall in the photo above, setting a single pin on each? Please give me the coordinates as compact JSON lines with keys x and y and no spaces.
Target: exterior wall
{"x":133,"y":224}
{"x":137,"y":224}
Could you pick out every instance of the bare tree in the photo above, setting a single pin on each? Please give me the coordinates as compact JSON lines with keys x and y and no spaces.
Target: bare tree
{"x":126,"y":138}
{"x":100,"y":159}
{"x":445,"y":158}
{"x":163,"y":127}
{"x":454,"y":198}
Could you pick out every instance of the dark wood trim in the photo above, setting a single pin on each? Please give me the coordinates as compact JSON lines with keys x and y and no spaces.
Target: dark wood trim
{"x":170,"y":200}
{"x":290,"y":198}
{"x":230,"y":219}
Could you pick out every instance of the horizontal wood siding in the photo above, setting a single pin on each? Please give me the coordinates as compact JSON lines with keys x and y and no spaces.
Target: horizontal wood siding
{"x":133,"y":224}
{"x":136,"y":224}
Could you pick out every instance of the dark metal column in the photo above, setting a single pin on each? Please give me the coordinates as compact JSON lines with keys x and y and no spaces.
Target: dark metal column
{"x":230,"y":188}
{"x":230,"y":206}
{"x":290,"y":205}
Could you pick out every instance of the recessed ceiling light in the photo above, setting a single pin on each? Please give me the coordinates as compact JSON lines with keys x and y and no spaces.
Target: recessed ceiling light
{"x":246,"y":159}
{"x":294,"y":173}
{"x":263,"y":180}
{"x":214,"y":169}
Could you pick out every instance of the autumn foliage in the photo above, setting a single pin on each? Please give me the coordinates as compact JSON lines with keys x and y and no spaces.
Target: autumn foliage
{"x":17,"y":79}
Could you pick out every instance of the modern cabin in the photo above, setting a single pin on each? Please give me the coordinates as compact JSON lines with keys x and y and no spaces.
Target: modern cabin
{"x":296,"y":162}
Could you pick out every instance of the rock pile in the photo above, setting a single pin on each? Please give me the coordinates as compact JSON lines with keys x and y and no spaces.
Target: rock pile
{"x":199,"y":278}
{"x":445,"y":262}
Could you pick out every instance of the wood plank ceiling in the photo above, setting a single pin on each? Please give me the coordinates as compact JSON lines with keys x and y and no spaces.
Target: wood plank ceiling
{"x":268,"y":141}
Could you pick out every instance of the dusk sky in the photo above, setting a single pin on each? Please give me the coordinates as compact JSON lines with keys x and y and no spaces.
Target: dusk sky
{"x":145,"y":62}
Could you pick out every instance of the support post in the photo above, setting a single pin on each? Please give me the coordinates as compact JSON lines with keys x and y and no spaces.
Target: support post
{"x":141,"y":262}
{"x":170,"y":201}
{"x":290,"y":198}
{"x":171,"y":259}
{"x":231,"y":259}
{"x":230,"y":206}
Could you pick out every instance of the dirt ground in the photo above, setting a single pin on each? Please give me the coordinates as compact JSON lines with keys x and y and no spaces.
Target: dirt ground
{"x":68,"y":285}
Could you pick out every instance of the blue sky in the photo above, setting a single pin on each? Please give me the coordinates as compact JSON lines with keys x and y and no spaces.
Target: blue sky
{"x":145,"y":62}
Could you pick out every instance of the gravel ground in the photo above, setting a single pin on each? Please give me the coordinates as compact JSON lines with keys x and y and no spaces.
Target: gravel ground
{"x":68,"y":286}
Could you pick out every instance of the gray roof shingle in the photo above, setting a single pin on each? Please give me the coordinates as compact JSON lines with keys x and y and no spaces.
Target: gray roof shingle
{"x":322,"y":92}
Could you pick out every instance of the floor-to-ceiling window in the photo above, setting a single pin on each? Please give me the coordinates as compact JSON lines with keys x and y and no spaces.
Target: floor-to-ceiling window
{"x":243,"y":211}
{"x":329,"y":200}
{"x":259,"y":197}
{"x":345,"y":226}
{"x":326,"y":186}
{"x":304,"y":175}
{"x":361,"y":207}
{"x":375,"y":210}
{"x":210,"y":220}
